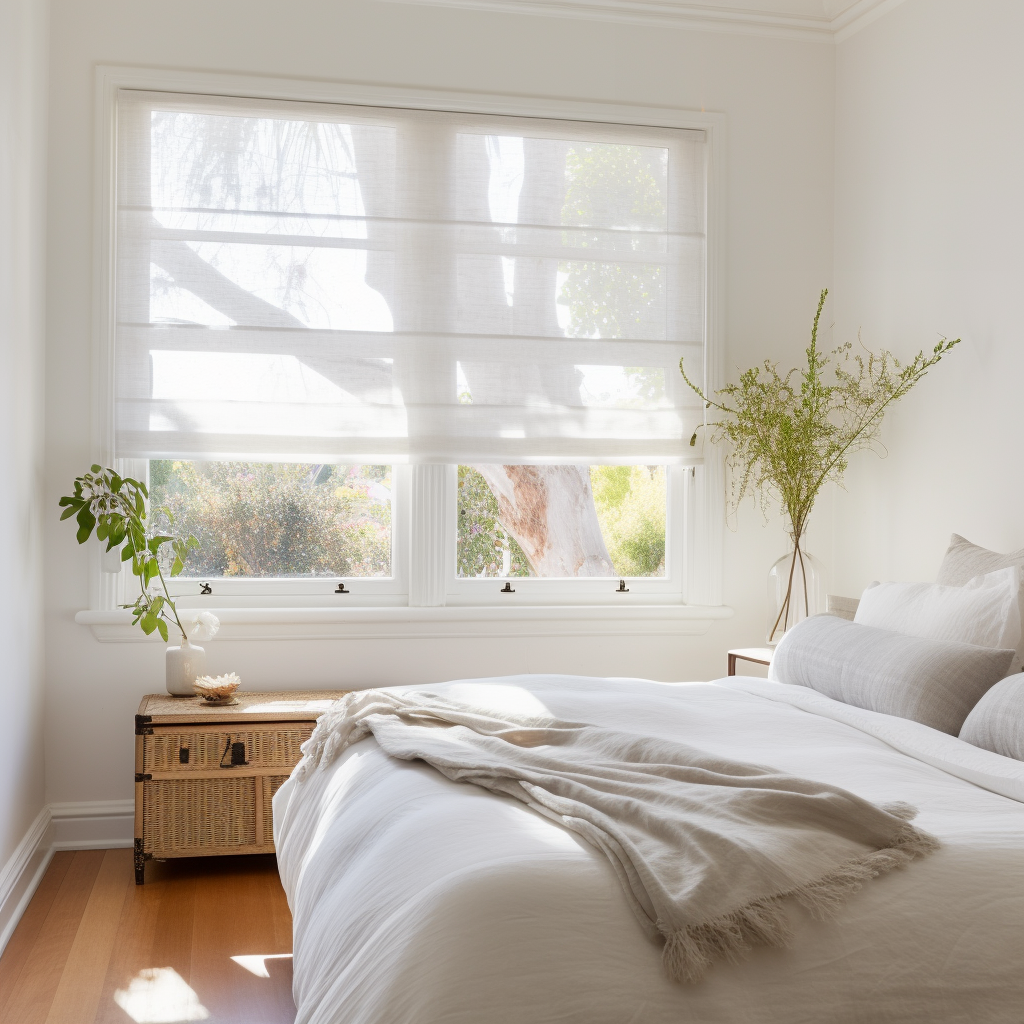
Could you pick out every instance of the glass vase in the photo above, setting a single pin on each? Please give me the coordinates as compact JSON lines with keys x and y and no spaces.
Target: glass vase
{"x":796,"y":590}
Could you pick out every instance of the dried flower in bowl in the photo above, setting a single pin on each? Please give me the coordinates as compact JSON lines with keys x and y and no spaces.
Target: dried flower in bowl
{"x":217,"y":688}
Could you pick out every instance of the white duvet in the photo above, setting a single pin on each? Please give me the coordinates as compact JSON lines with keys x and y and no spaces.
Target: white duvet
{"x":417,"y":900}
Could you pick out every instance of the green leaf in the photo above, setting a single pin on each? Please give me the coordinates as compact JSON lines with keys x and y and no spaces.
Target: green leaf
{"x":86,"y":521}
{"x":162,"y":626}
{"x":96,"y":469}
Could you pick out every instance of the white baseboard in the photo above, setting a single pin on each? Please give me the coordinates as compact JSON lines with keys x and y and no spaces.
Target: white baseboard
{"x":97,"y":825}
{"x":23,"y":872}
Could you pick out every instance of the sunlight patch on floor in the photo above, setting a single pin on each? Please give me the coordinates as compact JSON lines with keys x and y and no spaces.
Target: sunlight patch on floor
{"x":256,"y":963}
{"x":160,"y":995}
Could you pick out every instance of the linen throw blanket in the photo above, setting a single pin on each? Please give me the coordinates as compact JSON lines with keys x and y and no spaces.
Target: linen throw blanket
{"x":708,"y":850}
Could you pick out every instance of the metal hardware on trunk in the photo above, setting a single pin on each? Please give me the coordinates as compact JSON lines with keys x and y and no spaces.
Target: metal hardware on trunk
{"x":183,"y":755}
{"x":143,"y":777}
{"x":507,"y":589}
{"x":341,"y":589}
{"x":140,"y":863}
{"x":623,"y":589}
{"x":205,"y":588}
{"x":236,"y":752}
{"x":142,"y":726}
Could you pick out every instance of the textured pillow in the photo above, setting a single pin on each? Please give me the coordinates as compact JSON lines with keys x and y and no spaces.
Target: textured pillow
{"x":997,"y":721}
{"x":935,"y":682}
{"x":984,"y":612}
{"x":964,"y":560}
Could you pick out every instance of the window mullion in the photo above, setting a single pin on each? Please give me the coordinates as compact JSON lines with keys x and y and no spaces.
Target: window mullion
{"x":428,"y":517}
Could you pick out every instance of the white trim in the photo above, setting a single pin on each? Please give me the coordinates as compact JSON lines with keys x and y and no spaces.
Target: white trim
{"x":93,"y":825}
{"x":507,"y":620}
{"x":21,"y":875}
{"x":682,"y":15}
{"x":90,"y":825}
{"x":860,"y":15}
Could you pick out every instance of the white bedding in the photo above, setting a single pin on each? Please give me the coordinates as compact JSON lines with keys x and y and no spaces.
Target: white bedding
{"x":417,"y":900}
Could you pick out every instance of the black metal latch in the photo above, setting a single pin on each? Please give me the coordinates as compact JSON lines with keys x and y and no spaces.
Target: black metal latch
{"x":507,"y":589}
{"x":234,"y":755}
{"x":143,"y":777}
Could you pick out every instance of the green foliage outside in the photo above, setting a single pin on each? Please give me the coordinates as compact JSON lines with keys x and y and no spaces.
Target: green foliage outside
{"x":612,"y":299}
{"x":482,"y":539}
{"x":274,"y":520}
{"x":630,"y":504}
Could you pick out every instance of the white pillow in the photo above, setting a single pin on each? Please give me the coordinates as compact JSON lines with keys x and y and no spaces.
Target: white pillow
{"x":985,"y":611}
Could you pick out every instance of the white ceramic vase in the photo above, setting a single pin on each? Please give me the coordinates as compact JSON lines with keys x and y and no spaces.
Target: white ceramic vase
{"x":184,"y":664}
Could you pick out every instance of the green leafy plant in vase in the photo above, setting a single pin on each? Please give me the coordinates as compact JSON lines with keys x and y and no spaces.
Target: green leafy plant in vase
{"x":115,"y":508}
{"x":790,"y":434}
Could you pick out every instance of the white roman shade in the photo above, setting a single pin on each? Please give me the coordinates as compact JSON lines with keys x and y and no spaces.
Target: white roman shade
{"x":329,"y":283}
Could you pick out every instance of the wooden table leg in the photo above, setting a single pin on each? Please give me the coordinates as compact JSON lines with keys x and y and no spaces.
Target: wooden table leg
{"x":732,"y":664}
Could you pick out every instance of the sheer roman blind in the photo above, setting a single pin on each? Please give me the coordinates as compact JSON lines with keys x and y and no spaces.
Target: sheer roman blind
{"x":313,"y":282}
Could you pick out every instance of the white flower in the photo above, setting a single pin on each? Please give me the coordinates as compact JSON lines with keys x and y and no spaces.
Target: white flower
{"x":204,"y":626}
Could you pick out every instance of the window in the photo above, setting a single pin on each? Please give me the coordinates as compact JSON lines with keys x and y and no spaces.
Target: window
{"x":418,"y":352}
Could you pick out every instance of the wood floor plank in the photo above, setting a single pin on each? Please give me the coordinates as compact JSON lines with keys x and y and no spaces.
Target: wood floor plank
{"x":240,"y":911}
{"x":153,"y":934}
{"x":20,"y":946}
{"x":94,"y":948}
{"x":33,"y":992}
{"x":81,"y":982}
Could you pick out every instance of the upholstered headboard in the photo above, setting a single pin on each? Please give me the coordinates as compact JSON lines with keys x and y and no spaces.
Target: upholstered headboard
{"x":844,"y":607}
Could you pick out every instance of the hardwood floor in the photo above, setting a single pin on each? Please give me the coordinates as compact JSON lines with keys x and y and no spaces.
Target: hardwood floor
{"x":94,"y":948}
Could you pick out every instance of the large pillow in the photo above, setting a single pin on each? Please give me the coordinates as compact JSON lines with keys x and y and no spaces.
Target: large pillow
{"x":935,"y":682}
{"x":997,"y":721}
{"x":985,"y":611}
{"x":964,"y":560}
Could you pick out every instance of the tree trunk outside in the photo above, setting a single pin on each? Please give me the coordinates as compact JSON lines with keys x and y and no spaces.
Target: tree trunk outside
{"x":550,"y":512}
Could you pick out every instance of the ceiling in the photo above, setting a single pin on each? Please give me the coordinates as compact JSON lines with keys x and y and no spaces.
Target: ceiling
{"x":826,"y":20}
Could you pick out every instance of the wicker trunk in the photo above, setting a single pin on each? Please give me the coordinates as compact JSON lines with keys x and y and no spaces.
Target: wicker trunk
{"x":205,"y":776}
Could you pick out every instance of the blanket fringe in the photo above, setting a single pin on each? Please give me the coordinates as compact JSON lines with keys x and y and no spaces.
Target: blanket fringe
{"x":691,"y":952}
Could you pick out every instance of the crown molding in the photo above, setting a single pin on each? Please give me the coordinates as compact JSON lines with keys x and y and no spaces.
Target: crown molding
{"x":859,"y":16}
{"x":685,"y":15}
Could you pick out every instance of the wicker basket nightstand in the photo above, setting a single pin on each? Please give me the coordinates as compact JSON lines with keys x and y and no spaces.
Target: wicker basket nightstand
{"x":205,"y":776}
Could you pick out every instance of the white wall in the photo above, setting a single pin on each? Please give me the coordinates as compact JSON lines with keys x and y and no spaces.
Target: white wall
{"x":929,"y":228}
{"x":778,"y":96}
{"x":22,"y":237}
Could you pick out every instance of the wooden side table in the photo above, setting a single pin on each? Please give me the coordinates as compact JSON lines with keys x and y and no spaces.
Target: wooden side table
{"x":758,"y":655}
{"x":205,"y":776}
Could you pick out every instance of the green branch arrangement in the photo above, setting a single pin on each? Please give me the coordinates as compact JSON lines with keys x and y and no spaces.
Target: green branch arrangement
{"x":789,"y":434}
{"x":115,"y":507}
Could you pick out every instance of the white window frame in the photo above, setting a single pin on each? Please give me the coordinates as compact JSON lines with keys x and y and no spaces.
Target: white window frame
{"x":424,"y":588}
{"x":597,"y":590}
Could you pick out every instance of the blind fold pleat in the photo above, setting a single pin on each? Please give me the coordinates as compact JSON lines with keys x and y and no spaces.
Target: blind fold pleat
{"x":325,"y":283}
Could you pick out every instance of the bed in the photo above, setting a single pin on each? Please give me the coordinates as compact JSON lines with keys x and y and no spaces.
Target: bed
{"x":417,"y":900}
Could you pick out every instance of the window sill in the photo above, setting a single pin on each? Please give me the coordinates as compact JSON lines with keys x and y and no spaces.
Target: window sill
{"x":428,"y":623}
